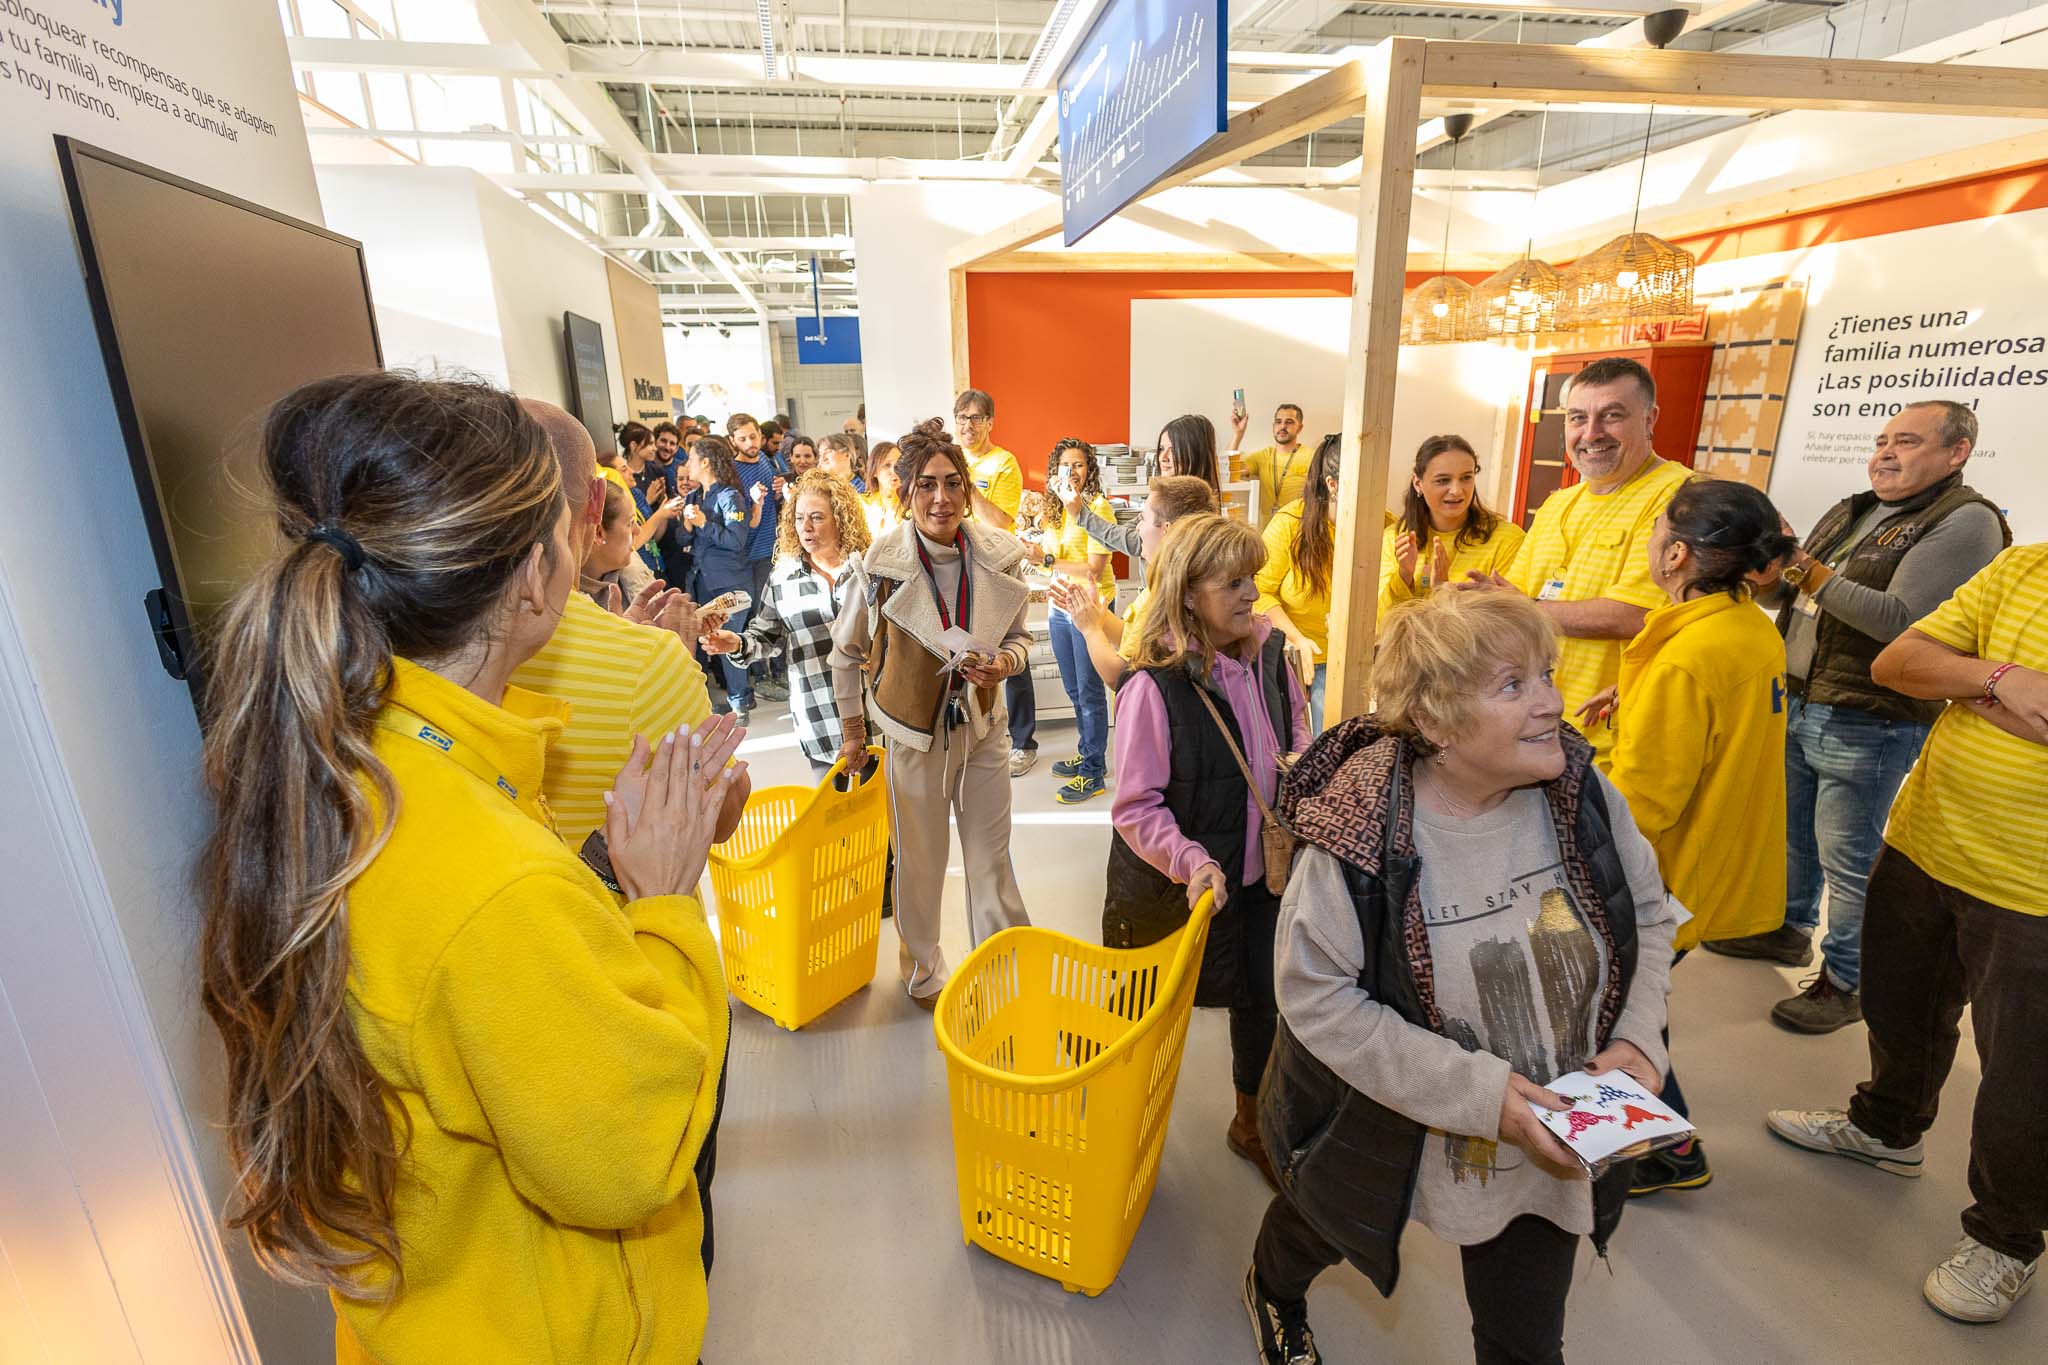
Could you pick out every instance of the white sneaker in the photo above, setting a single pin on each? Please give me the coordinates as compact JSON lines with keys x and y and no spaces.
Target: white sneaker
{"x":1977,"y":1284}
{"x":1829,"y":1131}
{"x":1022,"y":761}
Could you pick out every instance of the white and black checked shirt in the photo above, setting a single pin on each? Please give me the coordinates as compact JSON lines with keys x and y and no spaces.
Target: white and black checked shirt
{"x":797,"y":611}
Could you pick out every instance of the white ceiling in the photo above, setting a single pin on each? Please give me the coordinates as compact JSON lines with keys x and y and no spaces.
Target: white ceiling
{"x":666,"y":132}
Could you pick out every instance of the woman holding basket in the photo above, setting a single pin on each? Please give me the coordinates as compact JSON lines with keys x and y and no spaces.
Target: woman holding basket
{"x":1203,"y":720}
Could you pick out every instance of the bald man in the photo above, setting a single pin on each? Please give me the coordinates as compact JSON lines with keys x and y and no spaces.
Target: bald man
{"x":620,"y":679}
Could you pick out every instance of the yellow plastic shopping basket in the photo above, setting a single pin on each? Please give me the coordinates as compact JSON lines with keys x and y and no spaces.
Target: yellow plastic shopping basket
{"x":799,"y":888}
{"x":1061,"y":1058}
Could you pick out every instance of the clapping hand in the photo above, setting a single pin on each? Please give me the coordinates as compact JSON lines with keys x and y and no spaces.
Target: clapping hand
{"x":1477,"y":579}
{"x":641,"y":610}
{"x":1077,"y":600}
{"x":1404,"y":556}
{"x":661,"y":817}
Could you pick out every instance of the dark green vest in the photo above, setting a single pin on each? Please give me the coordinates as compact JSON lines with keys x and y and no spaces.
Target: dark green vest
{"x":1842,"y":655}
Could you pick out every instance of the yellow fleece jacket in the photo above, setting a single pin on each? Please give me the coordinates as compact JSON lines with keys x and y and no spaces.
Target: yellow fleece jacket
{"x":555,"y":1055}
{"x":1699,"y":751}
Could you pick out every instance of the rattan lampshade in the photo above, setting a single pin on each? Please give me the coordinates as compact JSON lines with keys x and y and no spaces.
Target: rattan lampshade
{"x":1634,"y":278}
{"x":1437,"y":312}
{"x":1526,"y":299}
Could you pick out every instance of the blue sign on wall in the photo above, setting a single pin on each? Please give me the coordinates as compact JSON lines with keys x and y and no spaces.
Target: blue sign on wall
{"x":828,"y":341}
{"x":1144,"y":89}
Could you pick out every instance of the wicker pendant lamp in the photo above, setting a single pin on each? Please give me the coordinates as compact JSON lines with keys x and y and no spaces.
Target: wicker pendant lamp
{"x":1528,"y":298}
{"x":1439,"y":310}
{"x":1636,"y":277}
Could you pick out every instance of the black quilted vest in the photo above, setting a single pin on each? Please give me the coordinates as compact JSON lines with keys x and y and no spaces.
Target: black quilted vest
{"x":1842,"y":655}
{"x":1205,"y":791}
{"x":1350,"y":1163}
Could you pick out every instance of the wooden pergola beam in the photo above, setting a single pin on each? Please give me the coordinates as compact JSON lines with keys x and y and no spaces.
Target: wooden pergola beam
{"x":1537,"y":74}
{"x":1393,"y":73}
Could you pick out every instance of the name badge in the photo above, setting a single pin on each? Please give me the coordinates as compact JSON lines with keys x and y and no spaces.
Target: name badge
{"x":1807,"y":605}
{"x":1553,"y":591}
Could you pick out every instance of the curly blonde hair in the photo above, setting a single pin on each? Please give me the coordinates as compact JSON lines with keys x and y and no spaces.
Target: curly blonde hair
{"x":847,"y":513}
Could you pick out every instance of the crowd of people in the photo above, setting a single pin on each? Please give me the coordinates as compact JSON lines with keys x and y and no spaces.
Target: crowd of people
{"x":471,"y":742}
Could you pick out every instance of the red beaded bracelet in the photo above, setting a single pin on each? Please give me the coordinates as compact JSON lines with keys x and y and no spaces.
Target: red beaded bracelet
{"x":1991,"y":683}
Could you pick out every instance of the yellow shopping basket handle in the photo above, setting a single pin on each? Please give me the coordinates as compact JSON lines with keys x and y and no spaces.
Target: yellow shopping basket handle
{"x":867,"y":769}
{"x":1183,"y":963}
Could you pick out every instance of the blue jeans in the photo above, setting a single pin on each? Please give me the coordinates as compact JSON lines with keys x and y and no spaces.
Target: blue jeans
{"x":1315,"y":702}
{"x":1842,"y":769}
{"x":1084,"y":690}
{"x":739,"y":683}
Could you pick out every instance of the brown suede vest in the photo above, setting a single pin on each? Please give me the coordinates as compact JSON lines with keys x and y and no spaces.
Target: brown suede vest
{"x":1842,"y":655}
{"x":908,"y":689}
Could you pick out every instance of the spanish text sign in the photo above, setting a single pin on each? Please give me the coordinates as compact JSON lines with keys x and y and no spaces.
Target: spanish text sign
{"x":1143,"y":90}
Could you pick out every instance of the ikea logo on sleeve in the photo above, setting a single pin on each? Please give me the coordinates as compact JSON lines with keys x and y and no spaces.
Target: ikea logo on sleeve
{"x":436,"y":738}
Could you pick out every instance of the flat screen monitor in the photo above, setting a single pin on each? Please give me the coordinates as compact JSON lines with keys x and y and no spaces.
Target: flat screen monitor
{"x":209,"y":309}
{"x":590,"y":384}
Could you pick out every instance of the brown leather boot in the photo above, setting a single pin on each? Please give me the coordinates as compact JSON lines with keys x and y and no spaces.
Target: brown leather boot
{"x":1243,"y":1138}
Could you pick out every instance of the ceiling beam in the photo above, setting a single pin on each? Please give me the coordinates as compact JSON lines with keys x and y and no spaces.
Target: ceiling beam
{"x":518,"y":22}
{"x":833,"y":245}
{"x":1536,"y":74}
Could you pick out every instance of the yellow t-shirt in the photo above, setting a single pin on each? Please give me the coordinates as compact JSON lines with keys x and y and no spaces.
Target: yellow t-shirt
{"x":881,"y":510}
{"x":620,"y":679}
{"x":1076,"y":544}
{"x":1974,"y":811}
{"x":1583,"y":546}
{"x":1000,"y":480}
{"x":1133,"y":615}
{"x":1281,"y":477}
{"x":1281,"y":583}
{"x":1495,"y":554}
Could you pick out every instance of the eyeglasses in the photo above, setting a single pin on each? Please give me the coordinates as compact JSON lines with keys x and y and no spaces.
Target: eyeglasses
{"x":976,"y":419}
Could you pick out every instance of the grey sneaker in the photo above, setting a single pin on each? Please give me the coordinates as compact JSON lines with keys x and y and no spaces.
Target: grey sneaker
{"x":1022,"y":761}
{"x":1786,"y":944}
{"x":1829,"y":1131}
{"x":1976,"y":1283}
{"x":1820,"y":1007}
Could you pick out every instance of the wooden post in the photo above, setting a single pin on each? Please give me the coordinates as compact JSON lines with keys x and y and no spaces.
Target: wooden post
{"x":956,"y":289}
{"x":1393,"y":109}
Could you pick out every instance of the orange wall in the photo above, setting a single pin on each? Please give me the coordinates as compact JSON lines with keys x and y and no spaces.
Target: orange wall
{"x":1054,"y":350}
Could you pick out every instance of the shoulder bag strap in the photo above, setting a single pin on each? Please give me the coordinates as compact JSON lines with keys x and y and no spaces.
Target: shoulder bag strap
{"x":1236,"y":753}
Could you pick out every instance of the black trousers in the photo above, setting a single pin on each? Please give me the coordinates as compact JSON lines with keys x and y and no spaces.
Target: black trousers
{"x":1515,"y":1285}
{"x":1254,"y":1022}
{"x":707,"y":1155}
{"x":1022,"y":704}
{"x":1928,"y":950}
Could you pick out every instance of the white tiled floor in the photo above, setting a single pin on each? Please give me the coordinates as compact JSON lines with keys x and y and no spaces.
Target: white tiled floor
{"x":839,"y":1239}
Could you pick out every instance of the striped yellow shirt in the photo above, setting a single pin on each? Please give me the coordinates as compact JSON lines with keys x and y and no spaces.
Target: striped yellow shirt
{"x":620,"y":679}
{"x":1584,"y":545}
{"x":1973,"y":813}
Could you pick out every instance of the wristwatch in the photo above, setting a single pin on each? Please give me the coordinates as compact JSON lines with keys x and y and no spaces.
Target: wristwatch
{"x":1050,"y":559}
{"x":1796,"y":574}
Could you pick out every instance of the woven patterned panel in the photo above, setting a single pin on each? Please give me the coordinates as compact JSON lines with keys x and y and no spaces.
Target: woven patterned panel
{"x":1437,"y":312}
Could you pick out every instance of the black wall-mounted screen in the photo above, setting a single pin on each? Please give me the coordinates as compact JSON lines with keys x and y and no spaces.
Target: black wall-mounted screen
{"x":590,"y":384}
{"x":209,"y":309}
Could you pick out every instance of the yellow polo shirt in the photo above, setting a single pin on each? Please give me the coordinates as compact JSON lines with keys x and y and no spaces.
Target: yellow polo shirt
{"x":1495,"y":554}
{"x":1282,"y":584}
{"x":1583,"y":546}
{"x":1973,"y":813}
{"x":1076,"y":544}
{"x":1000,"y":480}
{"x":1281,"y":476}
{"x":620,"y":679}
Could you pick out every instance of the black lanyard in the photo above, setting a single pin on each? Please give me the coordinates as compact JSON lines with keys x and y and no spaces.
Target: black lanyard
{"x":946,"y":621}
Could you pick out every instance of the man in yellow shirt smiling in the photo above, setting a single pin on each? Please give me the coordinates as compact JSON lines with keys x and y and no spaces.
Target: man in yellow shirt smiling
{"x":1586,"y":557}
